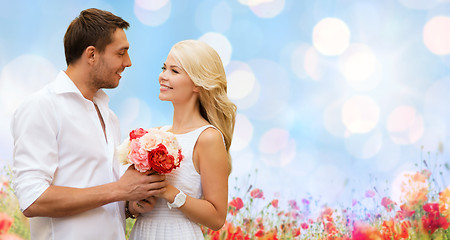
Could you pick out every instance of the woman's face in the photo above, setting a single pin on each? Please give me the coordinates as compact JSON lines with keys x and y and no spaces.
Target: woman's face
{"x":175,"y":84}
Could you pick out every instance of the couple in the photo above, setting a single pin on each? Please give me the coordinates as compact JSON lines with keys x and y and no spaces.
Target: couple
{"x":65,"y":173}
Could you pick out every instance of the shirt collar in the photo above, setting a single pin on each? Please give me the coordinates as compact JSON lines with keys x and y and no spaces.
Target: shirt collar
{"x":64,"y":84}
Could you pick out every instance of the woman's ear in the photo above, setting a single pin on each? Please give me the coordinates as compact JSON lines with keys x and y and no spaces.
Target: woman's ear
{"x":197,"y":89}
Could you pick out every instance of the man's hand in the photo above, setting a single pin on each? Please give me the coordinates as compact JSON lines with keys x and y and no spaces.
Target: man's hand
{"x":137,"y":186}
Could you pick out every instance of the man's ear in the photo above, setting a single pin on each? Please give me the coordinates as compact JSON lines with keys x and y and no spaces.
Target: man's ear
{"x":90,"y":54}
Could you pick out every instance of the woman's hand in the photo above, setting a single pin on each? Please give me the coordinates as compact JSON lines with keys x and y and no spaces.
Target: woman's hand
{"x":142,"y":206}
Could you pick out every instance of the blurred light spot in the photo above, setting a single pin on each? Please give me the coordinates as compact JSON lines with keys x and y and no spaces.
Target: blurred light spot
{"x":360,"y":114}
{"x":152,"y":5}
{"x":329,"y":183}
{"x":240,"y":84}
{"x":313,"y":65}
{"x":253,"y":2}
{"x":403,"y":186}
{"x":364,"y":146}
{"x":265,"y":8}
{"x":220,"y":43}
{"x":331,"y":36}
{"x":154,"y":15}
{"x":23,"y":76}
{"x":332,"y":119}
{"x":243,"y":133}
{"x":357,"y":64}
{"x":221,"y":16}
{"x":133,"y":113}
{"x":247,"y":94}
{"x":277,"y":147}
{"x":405,"y":125}
{"x":436,"y":35}
{"x":419,"y":4}
{"x":274,"y":92}
{"x":298,"y":60}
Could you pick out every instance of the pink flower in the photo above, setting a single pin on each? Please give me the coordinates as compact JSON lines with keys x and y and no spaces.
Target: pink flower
{"x":138,"y":156}
{"x":257,"y":193}
{"x":370,"y":194}
{"x":305,"y":201}
{"x":293,"y":204}
{"x":304,"y":226}
{"x":387,"y":203}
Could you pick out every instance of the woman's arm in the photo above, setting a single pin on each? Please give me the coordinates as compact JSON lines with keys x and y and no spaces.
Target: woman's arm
{"x":210,"y":158}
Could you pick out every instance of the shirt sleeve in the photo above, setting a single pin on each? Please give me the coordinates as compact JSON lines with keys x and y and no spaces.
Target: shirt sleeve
{"x":35,"y":155}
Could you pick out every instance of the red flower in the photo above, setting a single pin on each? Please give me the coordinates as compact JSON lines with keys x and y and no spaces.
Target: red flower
{"x":275,"y":203}
{"x":259,"y":233}
{"x":137,"y":133}
{"x":160,"y":160}
{"x":296,"y":232}
{"x":363,"y":231}
{"x":5,"y":223}
{"x":235,"y":205}
{"x":257,"y":193}
{"x":432,"y":220}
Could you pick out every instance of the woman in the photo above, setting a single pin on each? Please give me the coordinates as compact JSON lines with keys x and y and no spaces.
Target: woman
{"x":193,"y":79}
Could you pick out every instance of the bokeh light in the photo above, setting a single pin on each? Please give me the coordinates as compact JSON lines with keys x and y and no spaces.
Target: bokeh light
{"x":364,"y":146}
{"x":298,"y":61}
{"x":220,"y":43}
{"x":243,"y":87}
{"x":152,"y":5}
{"x":360,"y":114}
{"x":134,"y":112}
{"x":152,"y":12}
{"x":419,"y":4}
{"x":277,"y":147}
{"x":23,"y":76}
{"x":243,"y":133}
{"x":314,"y":64}
{"x":436,"y":35}
{"x":331,"y":36}
{"x":405,"y":125}
{"x":240,"y":83}
{"x":332,"y":119}
{"x":265,"y":8}
{"x":357,"y":64}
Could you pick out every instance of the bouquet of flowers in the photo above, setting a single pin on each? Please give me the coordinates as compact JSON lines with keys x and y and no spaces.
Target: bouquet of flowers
{"x":151,"y":149}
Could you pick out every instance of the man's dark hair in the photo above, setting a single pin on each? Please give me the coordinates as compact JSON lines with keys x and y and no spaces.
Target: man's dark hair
{"x":93,"y":27}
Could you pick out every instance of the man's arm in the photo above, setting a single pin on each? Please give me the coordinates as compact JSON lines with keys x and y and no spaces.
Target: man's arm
{"x":59,"y":201}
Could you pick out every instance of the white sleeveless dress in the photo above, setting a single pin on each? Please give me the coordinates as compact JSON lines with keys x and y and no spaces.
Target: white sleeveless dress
{"x":162,"y":222}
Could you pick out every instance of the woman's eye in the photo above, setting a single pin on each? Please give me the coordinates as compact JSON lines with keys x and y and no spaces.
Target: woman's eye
{"x":175,"y":71}
{"x":163,"y":68}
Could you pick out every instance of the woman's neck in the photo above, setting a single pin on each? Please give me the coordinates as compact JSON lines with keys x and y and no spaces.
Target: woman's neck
{"x":187,"y":118}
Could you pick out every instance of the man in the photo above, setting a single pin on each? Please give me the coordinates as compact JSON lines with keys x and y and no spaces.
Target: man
{"x":66,"y":177}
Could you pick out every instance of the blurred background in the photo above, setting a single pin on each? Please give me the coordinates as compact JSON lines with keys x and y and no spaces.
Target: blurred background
{"x":335,"y":97}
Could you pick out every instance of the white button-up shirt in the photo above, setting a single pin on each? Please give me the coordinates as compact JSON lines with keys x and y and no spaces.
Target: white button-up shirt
{"x":59,"y":140}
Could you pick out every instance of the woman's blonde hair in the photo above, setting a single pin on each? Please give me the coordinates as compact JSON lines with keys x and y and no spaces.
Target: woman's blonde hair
{"x":204,"y":66}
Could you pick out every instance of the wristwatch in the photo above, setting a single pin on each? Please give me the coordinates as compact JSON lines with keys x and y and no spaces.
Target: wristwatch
{"x":179,"y":200}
